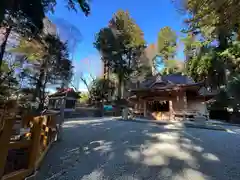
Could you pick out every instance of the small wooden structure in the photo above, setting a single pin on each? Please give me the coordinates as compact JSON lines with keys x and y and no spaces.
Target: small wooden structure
{"x":21,"y":158}
{"x":169,"y":97}
{"x":63,"y":97}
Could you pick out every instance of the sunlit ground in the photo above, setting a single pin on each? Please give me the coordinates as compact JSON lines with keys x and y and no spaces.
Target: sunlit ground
{"x":109,"y":149}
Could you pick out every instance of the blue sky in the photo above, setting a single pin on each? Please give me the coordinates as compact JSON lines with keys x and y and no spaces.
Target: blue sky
{"x":151,"y":17}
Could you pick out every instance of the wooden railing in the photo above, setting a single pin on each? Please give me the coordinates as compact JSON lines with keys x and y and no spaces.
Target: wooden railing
{"x":21,"y":158}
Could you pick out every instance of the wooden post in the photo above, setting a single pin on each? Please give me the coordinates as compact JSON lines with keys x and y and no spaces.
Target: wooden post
{"x":185,"y":104}
{"x":145,"y":108}
{"x":45,"y":131}
{"x":5,"y":136}
{"x":35,"y":144}
{"x":136,"y":106}
{"x":61,"y":120}
{"x":52,"y":125}
{"x":170,"y":109}
{"x":185,"y":100}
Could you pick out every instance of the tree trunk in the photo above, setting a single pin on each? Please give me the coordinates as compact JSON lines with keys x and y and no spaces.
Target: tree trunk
{"x":120,"y":82}
{"x":223,"y":42}
{"x":4,"y":42}
{"x":123,"y":90}
{"x":223,"y":45}
{"x":238,"y":35}
{"x":42,"y":94}
{"x":38,"y":88}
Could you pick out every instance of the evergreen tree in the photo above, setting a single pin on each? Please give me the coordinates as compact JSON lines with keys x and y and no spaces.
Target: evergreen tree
{"x":121,"y":44}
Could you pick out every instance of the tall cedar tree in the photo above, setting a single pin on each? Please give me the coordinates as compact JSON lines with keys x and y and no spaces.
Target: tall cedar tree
{"x":167,"y":46}
{"x":121,"y":44}
{"x":167,"y":43}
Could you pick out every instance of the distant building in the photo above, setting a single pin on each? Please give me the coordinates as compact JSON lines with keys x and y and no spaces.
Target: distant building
{"x":67,"y":97}
{"x":170,"y":97}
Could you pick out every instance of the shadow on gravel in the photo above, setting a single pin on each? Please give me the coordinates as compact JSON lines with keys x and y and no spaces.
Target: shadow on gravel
{"x":106,"y":149}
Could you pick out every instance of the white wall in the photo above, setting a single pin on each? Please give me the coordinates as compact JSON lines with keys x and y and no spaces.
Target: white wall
{"x":197,"y":105}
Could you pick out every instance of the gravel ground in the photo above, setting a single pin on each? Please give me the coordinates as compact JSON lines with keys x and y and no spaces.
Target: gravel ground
{"x":107,"y":149}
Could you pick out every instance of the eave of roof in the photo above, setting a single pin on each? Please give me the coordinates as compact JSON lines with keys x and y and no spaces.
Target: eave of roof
{"x":58,"y":94}
{"x":64,"y":93}
{"x":167,"y":88}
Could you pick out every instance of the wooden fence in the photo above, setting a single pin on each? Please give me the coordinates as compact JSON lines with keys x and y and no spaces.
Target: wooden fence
{"x":21,"y":158}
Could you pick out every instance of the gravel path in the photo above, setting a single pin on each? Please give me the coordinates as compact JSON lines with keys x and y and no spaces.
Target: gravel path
{"x":96,"y":149}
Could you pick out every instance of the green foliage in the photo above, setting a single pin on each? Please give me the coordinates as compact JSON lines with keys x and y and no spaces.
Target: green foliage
{"x":32,"y":49}
{"x":34,"y":10}
{"x":17,"y":12}
{"x":213,"y":19}
{"x":45,"y":59}
{"x":229,"y":96}
{"x":172,"y":67}
{"x":212,"y":54}
{"x":232,"y":57}
{"x":64,"y":72}
{"x":100,"y":89}
{"x":84,"y":97}
{"x":84,"y":5}
{"x":167,"y":43}
{"x":203,"y":61}
{"x":234,"y":88}
{"x":221,"y":100}
{"x":9,"y":84}
{"x":106,"y":43}
{"x":26,"y":17}
{"x":5,"y":68}
{"x":207,"y":65}
{"x":192,"y":45}
{"x":121,"y":44}
{"x":199,"y":66}
{"x":127,"y":29}
{"x":167,"y":46}
{"x":46,"y":63}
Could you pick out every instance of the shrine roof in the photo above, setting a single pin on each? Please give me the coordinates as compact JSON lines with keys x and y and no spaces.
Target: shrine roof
{"x":167,"y":82}
{"x":69,"y":92}
{"x":163,"y":85}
